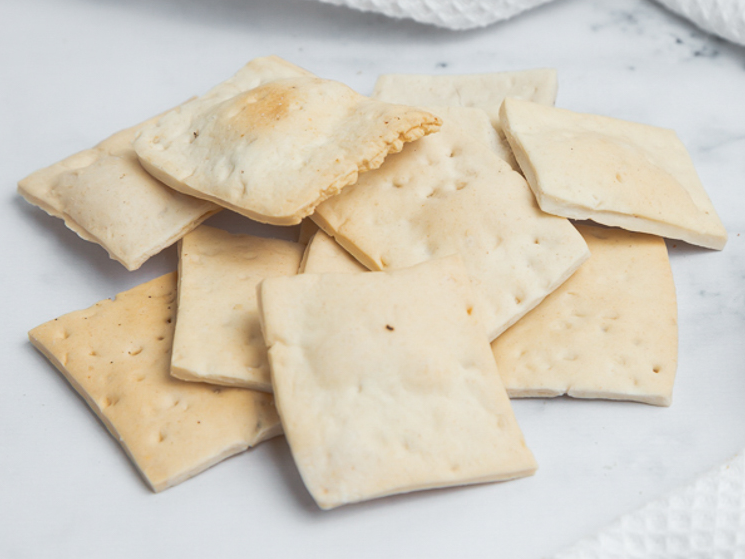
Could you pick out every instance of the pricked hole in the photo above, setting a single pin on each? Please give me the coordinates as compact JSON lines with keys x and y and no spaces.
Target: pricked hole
{"x":460,"y":185}
{"x":162,"y":437}
{"x":604,"y":328}
{"x":383,"y":263}
{"x":619,"y":178}
{"x":656,"y":369}
{"x":93,"y":353}
{"x":454,"y":152}
{"x":140,"y":378}
{"x":160,"y":338}
{"x":536,"y":241}
{"x":518,"y":299}
{"x":469,"y":310}
{"x":135,"y":351}
{"x":176,"y":402}
{"x":169,"y":320}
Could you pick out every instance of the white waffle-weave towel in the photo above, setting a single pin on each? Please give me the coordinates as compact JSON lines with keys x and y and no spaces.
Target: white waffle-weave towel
{"x":702,"y":520}
{"x":725,"y":18}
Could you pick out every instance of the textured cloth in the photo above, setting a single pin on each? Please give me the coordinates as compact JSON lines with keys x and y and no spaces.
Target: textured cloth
{"x":453,"y":14}
{"x":725,"y":18}
{"x":702,"y":520}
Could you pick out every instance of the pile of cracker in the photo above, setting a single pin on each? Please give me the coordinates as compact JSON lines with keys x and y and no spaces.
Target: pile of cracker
{"x":437,"y":275}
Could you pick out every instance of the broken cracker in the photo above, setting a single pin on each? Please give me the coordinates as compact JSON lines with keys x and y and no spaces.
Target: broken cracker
{"x":228,"y":145}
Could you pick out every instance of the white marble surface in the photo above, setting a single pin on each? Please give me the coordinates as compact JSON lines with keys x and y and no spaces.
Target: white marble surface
{"x":74,"y":71}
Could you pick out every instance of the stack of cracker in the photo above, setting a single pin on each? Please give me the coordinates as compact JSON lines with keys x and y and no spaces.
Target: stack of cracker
{"x":442,"y":274}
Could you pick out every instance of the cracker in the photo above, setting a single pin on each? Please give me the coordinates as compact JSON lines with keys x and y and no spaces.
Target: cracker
{"x":116,"y":354}
{"x":218,"y":335}
{"x":106,"y":197}
{"x":617,"y":173}
{"x":385,"y":383}
{"x":228,"y":145}
{"x":446,"y":194}
{"x":324,"y":255}
{"x":609,"y":332}
{"x":481,"y":91}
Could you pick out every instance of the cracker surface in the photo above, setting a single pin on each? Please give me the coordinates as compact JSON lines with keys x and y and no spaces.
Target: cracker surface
{"x":116,"y":354}
{"x":481,"y":91}
{"x":324,"y":255}
{"x":228,"y":145}
{"x":614,"y":172}
{"x":448,"y":193}
{"x":385,"y":383}
{"x":106,"y":197}
{"x":218,"y":335}
{"x":609,"y":332}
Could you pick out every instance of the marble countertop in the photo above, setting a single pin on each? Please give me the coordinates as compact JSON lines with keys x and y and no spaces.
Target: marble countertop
{"x":75,"y":71}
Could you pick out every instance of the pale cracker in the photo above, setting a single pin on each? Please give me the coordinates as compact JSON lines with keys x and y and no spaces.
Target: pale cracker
{"x":446,"y":194}
{"x":116,"y":354}
{"x":611,"y":171}
{"x":609,"y":332}
{"x":274,"y":151}
{"x":106,"y":197}
{"x":481,"y":91}
{"x":218,"y":335}
{"x":385,"y":383}
{"x":324,"y":255}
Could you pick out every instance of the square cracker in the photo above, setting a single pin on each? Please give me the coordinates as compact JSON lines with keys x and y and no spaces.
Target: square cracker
{"x":273,"y":151}
{"x":106,"y":197}
{"x":385,"y":383}
{"x":481,"y":91}
{"x":611,"y":171}
{"x":609,"y":332}
{"x":116,"y":354}
{"x":324,"y":255}
{"x":446,"y":194}
{"x":218,"y":335}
